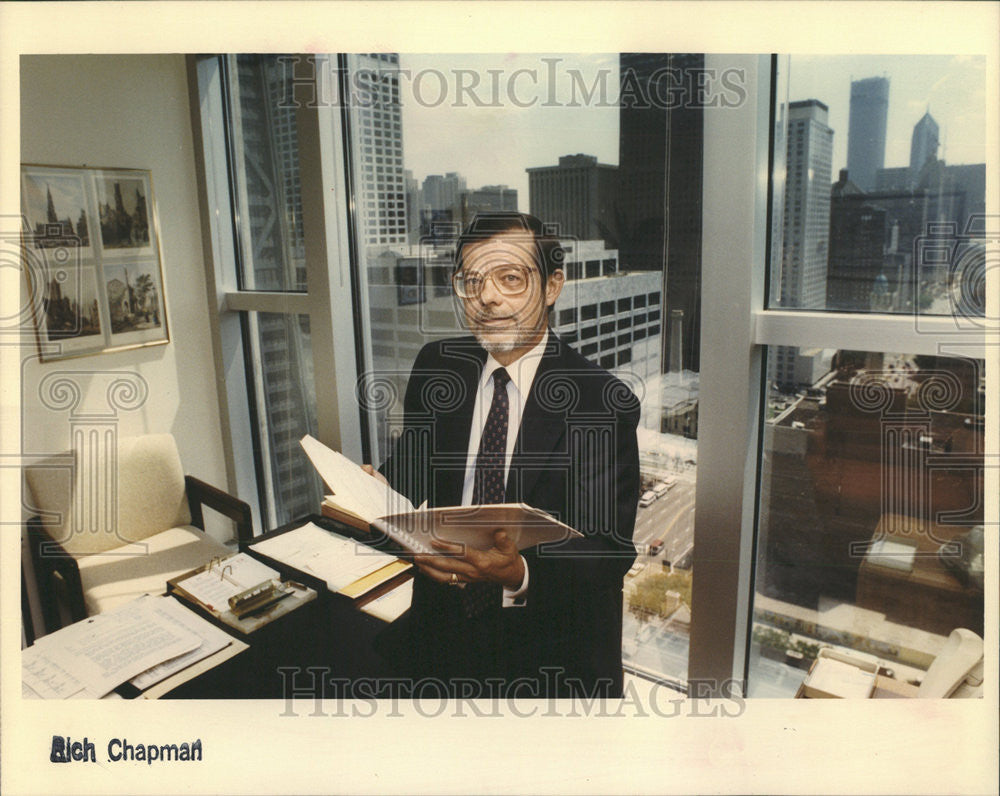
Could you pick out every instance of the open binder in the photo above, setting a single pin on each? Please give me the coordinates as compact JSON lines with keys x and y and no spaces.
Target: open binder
{"x":240,"y":592}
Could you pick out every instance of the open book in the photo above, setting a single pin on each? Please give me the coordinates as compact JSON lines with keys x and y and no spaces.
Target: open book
{"x":360,"y":500}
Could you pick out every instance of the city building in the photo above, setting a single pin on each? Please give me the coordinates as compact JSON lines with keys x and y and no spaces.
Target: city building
{"x":923,"y":145}
{"x":577,"y":196}
{"x":611,"y":317}
{"x":486,"y":199}
{"x":806,"y":227}
{"x":857,"y":248}
{"x":660,"y":166}
{"x":379,"y":151}
{"x":866,"y":130}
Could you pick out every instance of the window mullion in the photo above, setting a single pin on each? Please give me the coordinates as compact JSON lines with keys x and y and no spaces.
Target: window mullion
{"x":733,"y":246}
{"x":910,"y":334}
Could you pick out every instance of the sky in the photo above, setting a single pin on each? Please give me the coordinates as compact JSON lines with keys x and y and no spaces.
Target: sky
{"x":952,"y":88}
{"x":528,"y":117}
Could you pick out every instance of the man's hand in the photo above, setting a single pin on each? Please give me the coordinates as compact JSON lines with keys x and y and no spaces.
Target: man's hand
{"x":374,"y":473}
{"x":500,"y":564}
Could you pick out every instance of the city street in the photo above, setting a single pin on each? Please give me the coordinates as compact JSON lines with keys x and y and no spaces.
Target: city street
{"x":670,"y":518}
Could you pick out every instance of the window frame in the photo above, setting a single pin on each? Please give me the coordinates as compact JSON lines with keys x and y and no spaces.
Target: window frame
{"x":736,"y":328}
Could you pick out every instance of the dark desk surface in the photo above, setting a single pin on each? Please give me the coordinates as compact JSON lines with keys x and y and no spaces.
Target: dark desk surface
{"x":319,"y":650}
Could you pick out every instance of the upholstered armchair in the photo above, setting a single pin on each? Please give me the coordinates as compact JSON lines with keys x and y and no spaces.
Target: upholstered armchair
{"x":106,"y":534}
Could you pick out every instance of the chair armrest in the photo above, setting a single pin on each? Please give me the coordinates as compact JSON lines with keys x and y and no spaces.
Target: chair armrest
{"x":51,"y":558}
{"x":199,"y":493}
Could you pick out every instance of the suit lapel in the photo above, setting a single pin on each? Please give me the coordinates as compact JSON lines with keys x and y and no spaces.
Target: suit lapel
{"x":462,"y":359}
{"x":542,"y":429}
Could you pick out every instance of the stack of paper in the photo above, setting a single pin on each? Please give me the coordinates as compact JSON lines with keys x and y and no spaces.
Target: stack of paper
{"x":391,"y":605}
{"x":333,"y":558}
{"x":143,"y":641}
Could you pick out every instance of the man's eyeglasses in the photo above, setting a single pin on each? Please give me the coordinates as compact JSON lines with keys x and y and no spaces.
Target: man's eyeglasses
{"x":510,"y":280}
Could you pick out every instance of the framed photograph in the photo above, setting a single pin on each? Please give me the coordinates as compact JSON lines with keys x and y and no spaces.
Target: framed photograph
{"x":92,"y":256}
{"x":69,"y":319}
{"x":124,"y":208}
{"x":135,"y":306}
{"x":55,"y":203}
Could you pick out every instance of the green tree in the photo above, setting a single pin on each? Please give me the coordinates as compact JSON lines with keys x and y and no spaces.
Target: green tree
{"x":648,"y":596}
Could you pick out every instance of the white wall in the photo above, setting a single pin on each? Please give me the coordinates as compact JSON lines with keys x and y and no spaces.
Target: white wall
{"x":133,"y":112}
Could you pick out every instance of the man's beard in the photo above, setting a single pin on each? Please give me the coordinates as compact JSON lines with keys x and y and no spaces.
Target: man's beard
{"x":501,"y":346}
{"x":503,"y":340}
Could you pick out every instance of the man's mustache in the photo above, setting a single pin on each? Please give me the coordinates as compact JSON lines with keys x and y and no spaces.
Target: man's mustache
{"x":479,"y":317}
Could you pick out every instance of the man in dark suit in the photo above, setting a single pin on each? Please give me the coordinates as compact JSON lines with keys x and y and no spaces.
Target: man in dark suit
{"x":513,"y":414}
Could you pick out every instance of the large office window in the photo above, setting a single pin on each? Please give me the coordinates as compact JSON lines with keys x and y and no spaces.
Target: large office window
{"x":818,"y":384}
{"x":263,"y":274}
{"x":607,"y":151}
{"x":870,"y":509}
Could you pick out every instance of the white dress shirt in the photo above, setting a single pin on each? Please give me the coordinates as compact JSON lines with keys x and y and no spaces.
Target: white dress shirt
{"x":522,"y":374}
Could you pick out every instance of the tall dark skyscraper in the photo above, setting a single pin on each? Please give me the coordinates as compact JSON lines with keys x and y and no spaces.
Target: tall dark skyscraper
{"x":657,"y":225}
{"x":866,"y":130}
{"x":857,"y":244}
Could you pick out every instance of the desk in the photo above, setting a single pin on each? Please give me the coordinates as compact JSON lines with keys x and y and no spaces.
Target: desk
{"x":329,"y":635}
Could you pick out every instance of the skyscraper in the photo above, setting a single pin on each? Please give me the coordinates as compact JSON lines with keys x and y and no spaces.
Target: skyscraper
{"x":803,"y":280}
{"x":923,"y":145}
{"x":378,"y":125}
{"x":657,"y":225}
{"x":866,"y":130}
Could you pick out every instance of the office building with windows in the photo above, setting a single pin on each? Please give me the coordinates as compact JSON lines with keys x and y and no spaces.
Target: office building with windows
{"x":379,"y":150}
{"x":576,"y":196}
{"x":806,"y":223}
{"x":858,"y":242}
{"x":613,"y":318}
{"x":866,"y":130}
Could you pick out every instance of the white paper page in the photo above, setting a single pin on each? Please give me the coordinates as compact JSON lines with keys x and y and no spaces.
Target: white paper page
{"x":329,"y":556}
{"x":353,"y":488}
{"x":45,"y":676}
{"x":211,"y":589}
{"x":391,"y":605}
{"x":104,"y":651}
{"x":212,"y":640}
{"x":248,"y":571}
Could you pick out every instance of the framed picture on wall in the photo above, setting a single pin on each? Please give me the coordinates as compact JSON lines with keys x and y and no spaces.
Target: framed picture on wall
{"x":127,"y":229}
{"x":91,"y":254}
{"x":57,"y":213}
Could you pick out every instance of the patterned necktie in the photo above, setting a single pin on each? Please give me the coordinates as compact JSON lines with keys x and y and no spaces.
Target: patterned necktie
{"x":488,"y":484}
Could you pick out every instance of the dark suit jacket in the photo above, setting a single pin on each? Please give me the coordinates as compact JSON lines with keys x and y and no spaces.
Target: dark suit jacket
{"x":576,"y":457}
